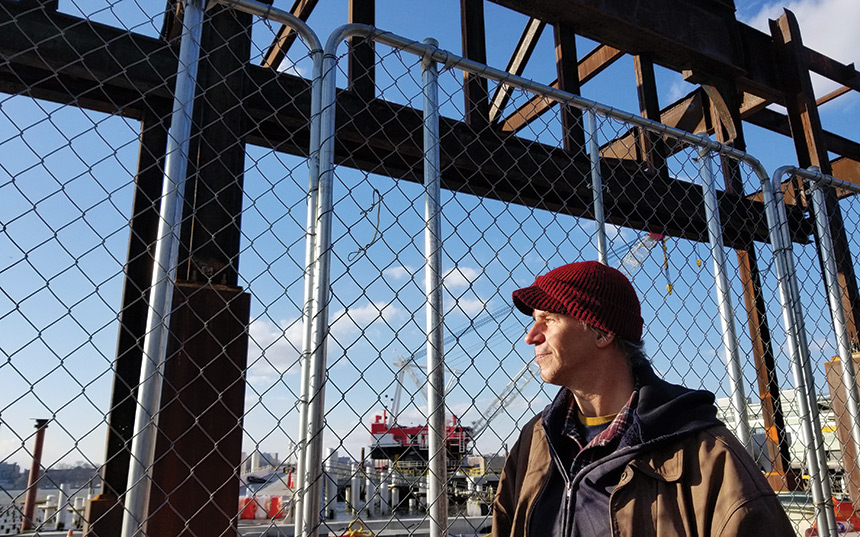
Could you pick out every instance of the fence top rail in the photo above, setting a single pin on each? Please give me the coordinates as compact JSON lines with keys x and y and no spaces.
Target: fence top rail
{"x":450,"y":60}
{"x":813,"y":174}
{"x":278,"y":15}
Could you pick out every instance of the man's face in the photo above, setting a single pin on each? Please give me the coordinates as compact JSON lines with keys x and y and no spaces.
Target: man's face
{"x":563,"y":346}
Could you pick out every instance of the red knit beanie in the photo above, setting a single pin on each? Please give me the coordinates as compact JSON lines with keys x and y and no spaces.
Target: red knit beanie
{"x":598,"y":295}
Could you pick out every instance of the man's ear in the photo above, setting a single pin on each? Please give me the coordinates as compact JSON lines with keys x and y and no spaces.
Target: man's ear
{"x":604,"y":339}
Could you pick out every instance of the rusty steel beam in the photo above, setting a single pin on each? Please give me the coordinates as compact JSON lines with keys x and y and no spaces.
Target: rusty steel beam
{"x":846,"y":169}
{"x":811,"y":147}
{"x":286,"y":35}
{"x":680,"y":34}
{"x":687,"y":114}
{"x":588,"y":67}
{"x":516,"y":65}
{"x":143,"y":234}
{"x":198,"y":451}
{"x":123,"y":76}
{"x":211,"y":235}
{"x":840,"y":73}
{"x":832,"y":95}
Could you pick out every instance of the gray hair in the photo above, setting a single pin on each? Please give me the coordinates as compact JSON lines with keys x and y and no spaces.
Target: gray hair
{"x":634,"y":351}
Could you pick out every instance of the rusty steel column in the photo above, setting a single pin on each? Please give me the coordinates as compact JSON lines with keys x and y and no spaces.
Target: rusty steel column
{"x":475,"y":48}
{"x":196,"y":474}
{"x":653,"y":149}
{"x":102,"y":516}
{"x":567,"y":68}
{"x":33,"y":481}
{"x":808,"y":136}
{"x":195,"y":483}
{"x":724,"y":113}
{"x":362,"y":52}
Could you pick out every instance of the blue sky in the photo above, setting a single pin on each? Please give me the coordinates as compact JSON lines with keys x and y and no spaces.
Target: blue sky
{"x":65,"y":189}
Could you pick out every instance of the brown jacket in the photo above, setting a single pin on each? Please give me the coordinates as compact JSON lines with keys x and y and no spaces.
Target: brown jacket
{"x":700,"y":484}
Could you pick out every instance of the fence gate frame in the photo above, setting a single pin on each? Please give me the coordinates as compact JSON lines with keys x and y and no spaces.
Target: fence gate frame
{"x":187,"y":264}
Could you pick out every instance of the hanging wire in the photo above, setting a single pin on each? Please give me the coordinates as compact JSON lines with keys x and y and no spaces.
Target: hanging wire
{"x":377,"y":204}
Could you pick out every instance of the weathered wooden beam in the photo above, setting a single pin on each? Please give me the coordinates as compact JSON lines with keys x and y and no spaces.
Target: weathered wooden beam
{"x":516,"y":65}
{"x":475,"y":92}
{"x":286,"y":35}
{"x":589,"y":66}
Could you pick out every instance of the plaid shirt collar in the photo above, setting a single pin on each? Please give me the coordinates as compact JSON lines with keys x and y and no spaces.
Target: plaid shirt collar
{"x":612,"y":432}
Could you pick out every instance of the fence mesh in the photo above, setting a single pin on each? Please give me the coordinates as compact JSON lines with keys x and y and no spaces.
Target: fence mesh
{"x":77,"y":201}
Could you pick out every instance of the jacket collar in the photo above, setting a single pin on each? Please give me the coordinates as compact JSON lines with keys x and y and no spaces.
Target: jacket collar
{"x":663,"y":410}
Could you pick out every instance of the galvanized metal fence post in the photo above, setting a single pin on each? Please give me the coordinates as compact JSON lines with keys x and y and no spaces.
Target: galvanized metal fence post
{"x":136,"y":501}
{"x":437,"y":495}
{"x":834,"y":294}
{"x":312,"y":373}
{"x":597,"y":185}
{"x":308,"y":522}
{"x":724,"y":301}
{"x":798,"y":350}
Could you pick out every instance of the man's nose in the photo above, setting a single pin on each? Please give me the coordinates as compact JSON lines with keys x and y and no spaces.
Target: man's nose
{"x":534,"y":335}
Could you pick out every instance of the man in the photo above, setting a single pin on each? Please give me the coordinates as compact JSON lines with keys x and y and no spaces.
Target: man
{"x":619,"y":451}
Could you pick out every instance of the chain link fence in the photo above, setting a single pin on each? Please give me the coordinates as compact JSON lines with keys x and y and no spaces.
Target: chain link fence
{"x":289,"y":410}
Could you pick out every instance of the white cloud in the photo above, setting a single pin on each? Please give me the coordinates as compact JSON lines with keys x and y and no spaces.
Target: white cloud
{"x":273,"y":349}
{"x":459,"y":277}
{"x":677,"y":90}
{"x":468,"y":306}
{"x":826,"y":26}
{"x":293,"y":69}
{"x":358,"y":319}
{"x":619,"y":233}
{"x":398,"y":273}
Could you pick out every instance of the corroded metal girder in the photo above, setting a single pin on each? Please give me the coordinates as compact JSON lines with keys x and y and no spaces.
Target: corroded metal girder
{"x":104,"y":68}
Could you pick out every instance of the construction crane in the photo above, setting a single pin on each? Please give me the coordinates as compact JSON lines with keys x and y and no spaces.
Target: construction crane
{"x":515,"y":386}
{"x":395,"y":442}
{"x":410,"y":367}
